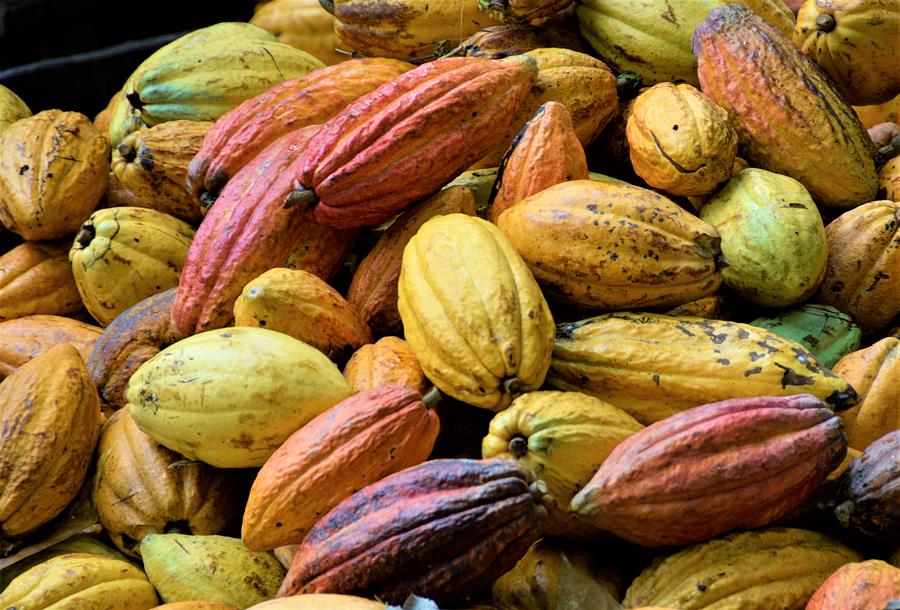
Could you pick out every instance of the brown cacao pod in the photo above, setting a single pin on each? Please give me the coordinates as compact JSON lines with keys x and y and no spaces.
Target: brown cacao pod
{"x":863,"y":257}
{"x":50,"y":413}
{"x":789,"y":118}
{"x":740,"y":463}
{"x":36,"y":278}
{"x":245,"y":233}
{"x":388,"y":361}
{"x":855,"y":44}
{"x":242,"y":133}
{"x":141,"y":488}
{"x":303,"y":306}
{"x":303,"y":24}
{"x":53,"y":172}
{"x":546,"y":152}
{"x":869,"y":497}
{"x":357,"y":442}
{"x":525,"y":11}
{"x":373,"y":290}
{"x":873,"y":372}
{"x":583,"y":83}
{"x":135,"y":336}
{"x":679,"y":140}
{"x":409,"y":137}
{"x":613,"y":246}
{"x":866,"y":584}
{"x":24,"y":338}
{"x":444,"y":529}
{"x":152,"y":164}
{"x":768,"y":568}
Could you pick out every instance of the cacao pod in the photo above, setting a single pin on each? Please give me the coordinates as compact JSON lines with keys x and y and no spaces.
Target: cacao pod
{"x":827,"y":333}
{"x":25,"y":338}
{"x":304,"y":25}
{"x":867,"y":584}
{"x":472,"y":313}
{"x":36,"y":278}
{"x":388,"y":361}
{"x":12,"y":108}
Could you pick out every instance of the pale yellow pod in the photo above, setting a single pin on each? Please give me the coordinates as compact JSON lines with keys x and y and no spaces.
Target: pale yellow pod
{"x":219,"y":569}
{"x":78,"y":581}
{"x":124,"y":255}
{"x":12,"y":108}
{"x":230,"y":397}
{"x":680,"y":140}
{"x":472,"y":312}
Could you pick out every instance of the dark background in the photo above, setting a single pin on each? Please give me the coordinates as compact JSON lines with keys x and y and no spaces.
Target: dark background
{"x":75,"y":54}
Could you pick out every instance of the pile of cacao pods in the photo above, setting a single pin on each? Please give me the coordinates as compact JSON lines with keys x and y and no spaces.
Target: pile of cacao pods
{"x":472,"y":304}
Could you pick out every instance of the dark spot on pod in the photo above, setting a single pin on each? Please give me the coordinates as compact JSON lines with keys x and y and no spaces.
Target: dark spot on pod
{"x":754,"y":371}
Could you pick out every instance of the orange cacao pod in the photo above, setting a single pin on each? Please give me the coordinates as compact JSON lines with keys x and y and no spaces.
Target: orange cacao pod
{"x":24,"y":338}
{"x":50,"y":414}
{"x":388,"y":361}
{"x":36,"y":278}
{"x":359,"y":441}
{"x":546,"y":152}
{"x":865,"y":584}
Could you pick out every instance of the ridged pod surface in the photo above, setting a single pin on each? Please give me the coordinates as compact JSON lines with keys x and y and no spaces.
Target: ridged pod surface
{"x":409,"y":137}
{"x":36,"y":278}
{"x":768,"y":568}
{"x":584,"y":84}
{"x":204,"y":74}
{"x":303,"y":306}
{"x":740,"y":463}
{"x":53,"y":170}
{"x":142,"y":488}
{"x":472,"y":312}
{"x":373,"y":289}
{"x":789,"y":118}
{"x":553,"y":575}
{"x":651,"y":38}
{"x":359,"y":441}
{"x":499,"y":41}
{"x":653,"y":365}
{"x":153,"y":164}
{"x":321,"y":250}
{"x":862,"y":277}
{"x":388,"y":361}
{"x":303,"y":24}
{"x":412,"y":29}
{"x":525,"y":11}
{"x":679,"y":140}
{"x":613,"y":246}
{"x":242,"y":133}
{"x":81,"y":580}
{"x":869,"y":499}
{"x":563,"y":437}
{"x":773,"y":238}
{"x":855,"y":44}
{"x":212,"y":568}
{"x":865,"y":584}
{"x":12,"y":108}
{"x":245,"y":233}
{"x":231,"y":397}
{"x":546,"y":152}
{"x":50,"y":412}
{"x":136,"y":335}
{"x":874,"y":372}
{"x":22,"y":339}
{"x":124,"y":255}
{"x":444,"y":529}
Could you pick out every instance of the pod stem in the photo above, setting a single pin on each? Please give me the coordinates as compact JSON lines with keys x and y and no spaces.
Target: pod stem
{"x":518,"y":445}
{"x":301,"y":197}
{"x":432,"y":397}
